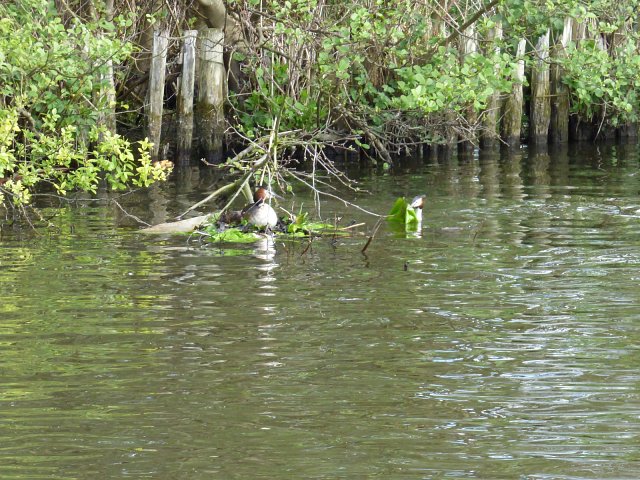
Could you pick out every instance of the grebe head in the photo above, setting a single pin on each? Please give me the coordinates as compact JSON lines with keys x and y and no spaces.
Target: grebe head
{"x":264,"y":194}
{"x":417,"y":203}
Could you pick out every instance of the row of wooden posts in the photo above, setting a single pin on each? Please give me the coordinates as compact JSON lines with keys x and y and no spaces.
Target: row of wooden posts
{"x":205,"y":115}
{"x":548,"y":115}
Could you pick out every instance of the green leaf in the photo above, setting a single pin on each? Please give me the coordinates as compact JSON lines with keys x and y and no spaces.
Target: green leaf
{"x":231,"y":235}
{"x":404,"y":214}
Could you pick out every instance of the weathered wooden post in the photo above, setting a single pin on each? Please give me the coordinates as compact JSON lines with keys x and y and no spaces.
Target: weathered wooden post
{"x":468,"y":46}
{"x":105,"y":96}
{"x":512,"y":116}
{"x":156,"y":90}
{"x":490,"y":133}
{"x":540,"y":112}
{"x":211,"y":93}
{"x":185,"y":98}
{"x":107,"y":116}
{"x":449,"y":135}
{"x":628,"y":130}
{"x":580,"y":130}
{"x":559,"y":125}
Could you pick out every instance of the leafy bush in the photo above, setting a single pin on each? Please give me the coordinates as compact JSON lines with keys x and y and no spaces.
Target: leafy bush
{"x":602,"y":86}
{"x":51,"y":96}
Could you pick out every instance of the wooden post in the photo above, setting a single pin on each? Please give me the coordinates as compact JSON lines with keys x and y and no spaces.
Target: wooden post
{"x":628,"y":130}
{"x":211,"y":93}
{"x":579,"y":130}
{"x":105,"y":97}
{"x":449,"y":135}
{"x":108,"y":98}
{"x":490,"y":134}
{"x":185,"y":98}
{"x":540,"y":112}
{"x":604,"y":130}
{"x":468,"y":46}
{"x":512,"y":116}
{"x":156,"y":90}
{"x":559,"y":125}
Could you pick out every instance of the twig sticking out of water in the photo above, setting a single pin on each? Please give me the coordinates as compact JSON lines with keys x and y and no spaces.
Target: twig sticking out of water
{"x":139,"y":220}
{"x":375,"y":230}
{"x":475,"y":235}
{"x":307,"y":247}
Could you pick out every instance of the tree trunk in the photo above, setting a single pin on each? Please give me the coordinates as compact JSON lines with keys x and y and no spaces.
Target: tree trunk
{"x":214,"y":12}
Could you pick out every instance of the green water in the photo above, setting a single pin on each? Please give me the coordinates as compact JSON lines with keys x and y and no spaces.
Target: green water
{"x":501,"y":343}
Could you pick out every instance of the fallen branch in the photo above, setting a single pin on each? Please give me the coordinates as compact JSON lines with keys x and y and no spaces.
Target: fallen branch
{"x":181,"y":226}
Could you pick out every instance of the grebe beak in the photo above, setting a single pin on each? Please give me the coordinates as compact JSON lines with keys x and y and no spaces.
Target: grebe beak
{"x":271,"y":194}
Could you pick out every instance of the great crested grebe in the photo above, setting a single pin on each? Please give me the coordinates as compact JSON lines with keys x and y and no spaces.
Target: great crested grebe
{"x":260,"y":213}
{"x":417,"y":203}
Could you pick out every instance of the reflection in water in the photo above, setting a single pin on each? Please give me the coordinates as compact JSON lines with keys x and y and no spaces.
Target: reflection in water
{"x":501,"y":343}
{"x":265,"y":250}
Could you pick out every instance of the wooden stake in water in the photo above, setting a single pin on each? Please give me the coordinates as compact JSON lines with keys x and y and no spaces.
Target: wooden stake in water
{"x":468,"y":46}
{"x":512,"y":116}
{"x":540,"y":114}
{"x":490,"y":133}
{"x":156,"y":90}
{"x":559,"y":126}
{"x":211,"y":93}
{"x":185,"y":98}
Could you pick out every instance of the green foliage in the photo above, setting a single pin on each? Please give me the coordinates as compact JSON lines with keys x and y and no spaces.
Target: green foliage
{"x":446,"y":83}
{"x":388,"y":68}
{"x":303,"y":227}
{"x":230,"y":235}
{"x":267,"y":102}
{"x":375,"y":61}
{"x":403,"y":214}
{"x":300,"y":227}
{"x":51,"y":95}
{"x":532,"y":18}
{"x":604,"y":87}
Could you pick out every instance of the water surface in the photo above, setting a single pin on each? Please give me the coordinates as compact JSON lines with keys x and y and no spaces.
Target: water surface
{"x":500,"y":343}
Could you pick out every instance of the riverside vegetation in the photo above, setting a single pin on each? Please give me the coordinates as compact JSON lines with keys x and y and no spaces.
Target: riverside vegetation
{"x":305,"y":77}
